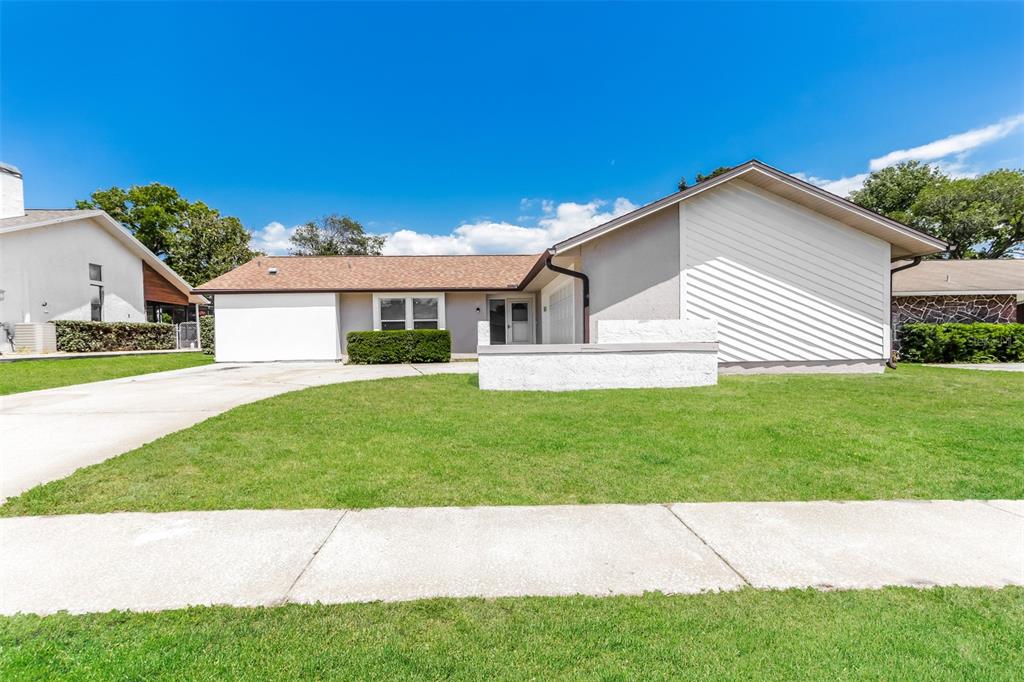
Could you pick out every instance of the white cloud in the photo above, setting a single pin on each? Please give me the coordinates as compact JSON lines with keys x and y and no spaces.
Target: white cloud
{"x":841,"y":187}
{"x":948,"y":146}
{"x":950,"y":154}
{"x":488,"y":236}
{"x":272,"y":239}
{"x":530,"y":234}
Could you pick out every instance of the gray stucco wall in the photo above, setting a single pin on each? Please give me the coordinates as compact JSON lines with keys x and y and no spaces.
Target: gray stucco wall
{"x":634,"y":271}
{"x":356,"y":315}
{"x":461,"y":316}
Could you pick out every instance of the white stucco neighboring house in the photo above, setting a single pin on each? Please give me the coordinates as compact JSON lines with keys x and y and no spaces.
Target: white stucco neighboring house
{"x":78,"y":265}
{"x":794,"y":278}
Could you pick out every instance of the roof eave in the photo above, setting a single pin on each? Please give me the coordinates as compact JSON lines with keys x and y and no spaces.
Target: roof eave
{"x":363,"y":290}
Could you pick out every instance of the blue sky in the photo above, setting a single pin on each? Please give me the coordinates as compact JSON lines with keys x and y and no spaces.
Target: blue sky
{"x":492,"y":127}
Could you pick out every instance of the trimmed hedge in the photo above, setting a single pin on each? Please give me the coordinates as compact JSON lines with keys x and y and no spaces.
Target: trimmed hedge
{"x":408,"y":345}
{"x":954,"y":342}
{"x":206,"y":337}
{"x":75,"y":336}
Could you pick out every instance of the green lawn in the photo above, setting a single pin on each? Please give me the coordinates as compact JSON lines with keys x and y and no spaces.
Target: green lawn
{"x":892,"y":634}
{"x":33,"y":375}
{"x":917,"y":432}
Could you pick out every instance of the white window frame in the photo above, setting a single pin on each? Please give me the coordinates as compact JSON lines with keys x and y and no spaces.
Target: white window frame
{"x":408,"y":296}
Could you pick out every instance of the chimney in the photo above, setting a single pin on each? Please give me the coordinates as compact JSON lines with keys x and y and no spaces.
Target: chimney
{"x":12,"y":196}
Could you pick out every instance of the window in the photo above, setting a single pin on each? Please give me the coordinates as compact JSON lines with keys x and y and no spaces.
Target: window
{"x":408,"y":311}
{"x":392,"y":313}
{"x":424,"y":313}
{"x":96,"y":303}
{"x":95,"y":272}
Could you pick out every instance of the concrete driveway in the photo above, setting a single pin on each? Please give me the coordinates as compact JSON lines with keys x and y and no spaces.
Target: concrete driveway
{"x":46,"y":435}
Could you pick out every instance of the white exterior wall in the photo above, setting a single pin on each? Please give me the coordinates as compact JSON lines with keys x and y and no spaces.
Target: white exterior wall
{"x":12,"y":195}
{"x":657,"y":331}
{"x":356,"y":310}
{"x":51,"y":265}
{"x":783,"y":282}
{"x":662,"y":354}
{"x":268,"y":327}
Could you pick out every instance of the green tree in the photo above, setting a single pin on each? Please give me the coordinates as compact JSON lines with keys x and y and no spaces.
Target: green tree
{"x":715,"y":173}
{"x":150,"y":212}
{"x":335,"y":235}
{"x":892,"y":191}
{"x":952,"y":210}
{"x":207,"y":244}
{"x":1004,"y":189}
{"x":980,"y":217}
{"x":701,"y":177}
{"x":196,"y":241}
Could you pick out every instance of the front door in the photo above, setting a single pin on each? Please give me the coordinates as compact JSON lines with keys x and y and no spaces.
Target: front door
{"x":519,"y":322}
{"x":510,"y":321}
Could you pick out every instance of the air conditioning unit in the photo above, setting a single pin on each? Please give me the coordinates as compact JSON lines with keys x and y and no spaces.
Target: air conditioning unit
{"x":35,"y":337}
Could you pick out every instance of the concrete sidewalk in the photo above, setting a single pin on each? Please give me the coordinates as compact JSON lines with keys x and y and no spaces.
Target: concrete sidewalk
{"x":245,"y":558}
{"x":986,"y":366}
{"x":46,"y":435}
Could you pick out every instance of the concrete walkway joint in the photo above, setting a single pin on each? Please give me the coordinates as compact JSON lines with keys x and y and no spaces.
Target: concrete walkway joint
{"x":142,"y":561}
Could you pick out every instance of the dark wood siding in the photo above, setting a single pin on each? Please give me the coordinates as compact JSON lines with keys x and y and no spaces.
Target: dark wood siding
{"x":155,"y":287}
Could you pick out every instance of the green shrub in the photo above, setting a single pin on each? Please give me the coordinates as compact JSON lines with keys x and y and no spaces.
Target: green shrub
{"x":75,"y":336}
{"x":410,"y":345}
{"x":206,"y":337}
{"x":954,"y":342}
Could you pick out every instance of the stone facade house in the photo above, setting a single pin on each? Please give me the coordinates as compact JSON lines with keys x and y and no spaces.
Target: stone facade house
{"x":959,"y":291}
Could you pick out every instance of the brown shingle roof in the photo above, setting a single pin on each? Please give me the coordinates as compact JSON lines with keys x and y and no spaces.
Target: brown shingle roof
{"x":961,"y":276}
{"x":375,"y":273}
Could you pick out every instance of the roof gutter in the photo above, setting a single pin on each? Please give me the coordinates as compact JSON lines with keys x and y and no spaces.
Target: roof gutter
{"x":586,"y":290}
{"x":891,"y":363}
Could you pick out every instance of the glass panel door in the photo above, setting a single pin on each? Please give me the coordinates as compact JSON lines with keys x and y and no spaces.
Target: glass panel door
{"x":520,"y":314}
{"x":496,"y":315}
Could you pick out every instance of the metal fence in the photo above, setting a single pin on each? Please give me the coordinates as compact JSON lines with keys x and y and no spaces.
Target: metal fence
{"x":188,"y":334}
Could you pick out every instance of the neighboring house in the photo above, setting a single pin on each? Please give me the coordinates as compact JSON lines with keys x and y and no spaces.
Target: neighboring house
{"x":959,"y":291}
{"x":797,"y":279}
{"x":79,"y":265}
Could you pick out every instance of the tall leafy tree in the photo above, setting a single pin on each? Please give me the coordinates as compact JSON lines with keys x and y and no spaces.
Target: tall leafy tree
{"x":195,"y":240}
{"x":1004,"y":189}
{"x":335,"y":235}
{"x":150,"y":212}
{"x":953,"y":211}
{"x":979,"y":217}
{"x":892,"y":191}
{"x":207,"y":244}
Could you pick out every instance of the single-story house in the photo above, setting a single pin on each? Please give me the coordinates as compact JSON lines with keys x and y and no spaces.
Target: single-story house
{"x":797,"y":279}
{"x":959,"y":291}
{"x":79,"y":265}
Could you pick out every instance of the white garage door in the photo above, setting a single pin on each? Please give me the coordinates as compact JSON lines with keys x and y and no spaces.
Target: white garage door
{"x":560,"y":315}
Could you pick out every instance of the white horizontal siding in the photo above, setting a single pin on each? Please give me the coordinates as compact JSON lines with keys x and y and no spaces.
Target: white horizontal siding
{"x":784,"y":282}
